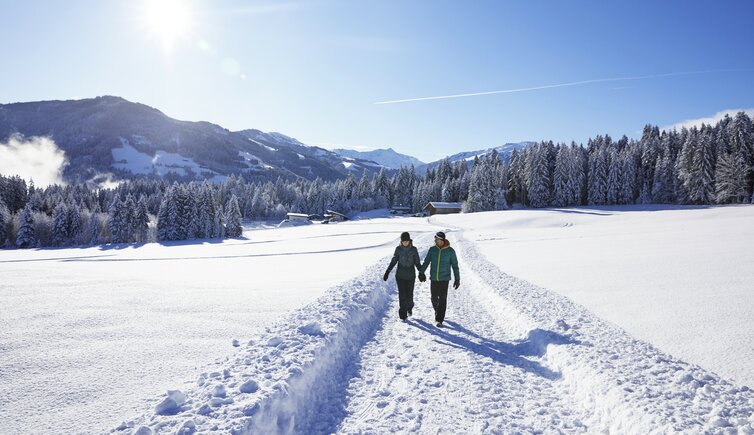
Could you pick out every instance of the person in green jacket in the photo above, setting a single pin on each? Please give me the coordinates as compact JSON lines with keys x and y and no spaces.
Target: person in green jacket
{"x":442,"y":258}
{"x":407,"y":258}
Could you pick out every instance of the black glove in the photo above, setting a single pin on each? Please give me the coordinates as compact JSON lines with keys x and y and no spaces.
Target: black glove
{"x":387,"y":274}
{"x":422,"y":277}
{"x":456,"y":284}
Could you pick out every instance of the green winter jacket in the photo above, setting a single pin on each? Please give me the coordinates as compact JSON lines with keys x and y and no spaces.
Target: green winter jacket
{"x":406,"y":258}
{"x":442,"y":260}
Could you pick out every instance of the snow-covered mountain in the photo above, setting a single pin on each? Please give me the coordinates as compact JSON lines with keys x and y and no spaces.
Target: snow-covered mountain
{"x":503,"y":150}
{"x":388,"y":158}
{"x":286,"y":144}
{"x":110,"y":135}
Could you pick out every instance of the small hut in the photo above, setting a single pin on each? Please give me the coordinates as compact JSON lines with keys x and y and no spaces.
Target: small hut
{"x":443,"y":207}
{"x":334,"y":216}
{"x":297,"y":217}
{"x":400,"y":209}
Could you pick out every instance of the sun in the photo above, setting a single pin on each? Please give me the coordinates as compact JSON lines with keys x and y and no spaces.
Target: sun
{"x":168,"y":20}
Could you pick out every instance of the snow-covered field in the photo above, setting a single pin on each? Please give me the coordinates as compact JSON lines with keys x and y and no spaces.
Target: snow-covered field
{"x":681,"y":278}
{"x":87,"y":334}
{"x":534,"y":339}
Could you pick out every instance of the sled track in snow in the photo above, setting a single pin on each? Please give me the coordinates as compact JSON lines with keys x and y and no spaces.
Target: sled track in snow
{"x":513,"y":357}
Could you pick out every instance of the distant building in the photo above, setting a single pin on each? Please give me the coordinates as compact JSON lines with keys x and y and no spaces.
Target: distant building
{"x":400,"y":209}
{"x":334,"y":216}
{"x":443,"y":207}
{"x":294,"y":220}
{"x":293,"y":217}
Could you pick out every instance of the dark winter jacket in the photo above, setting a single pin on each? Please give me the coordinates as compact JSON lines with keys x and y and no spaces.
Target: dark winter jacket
{"x":441,"y":260}
{"x":406,"y":258}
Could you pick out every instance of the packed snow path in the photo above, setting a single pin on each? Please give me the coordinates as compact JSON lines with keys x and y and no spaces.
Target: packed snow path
{"x":512,"y":358}
{"x":470,"y":376}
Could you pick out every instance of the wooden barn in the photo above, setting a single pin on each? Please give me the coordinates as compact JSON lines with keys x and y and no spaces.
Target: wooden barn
{"x":443,"y":207}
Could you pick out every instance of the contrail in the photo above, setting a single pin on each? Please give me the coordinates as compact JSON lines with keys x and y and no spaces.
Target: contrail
{"x":560,"y":85}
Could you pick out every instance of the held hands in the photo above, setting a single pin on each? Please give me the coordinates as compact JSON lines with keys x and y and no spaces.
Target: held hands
{"x":456,"y":284}
{"x":422,"y":277}
{"x":387,"y":274}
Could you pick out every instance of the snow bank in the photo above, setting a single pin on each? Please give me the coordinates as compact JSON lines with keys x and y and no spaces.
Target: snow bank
{"x":679,"y":277}
{"x":288,"y":377}
{"x":628,"y":385}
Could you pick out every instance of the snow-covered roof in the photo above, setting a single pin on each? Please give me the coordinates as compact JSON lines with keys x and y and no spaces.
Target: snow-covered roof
{"x":335,"y":212}
{"x":444,"y":204}
{"x":298,"y":215}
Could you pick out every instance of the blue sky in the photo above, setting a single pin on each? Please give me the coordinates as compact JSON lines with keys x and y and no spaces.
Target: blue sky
{"x":315,"y":69}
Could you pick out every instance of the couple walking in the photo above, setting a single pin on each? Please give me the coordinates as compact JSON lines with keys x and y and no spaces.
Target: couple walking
{"x":440,"y":257}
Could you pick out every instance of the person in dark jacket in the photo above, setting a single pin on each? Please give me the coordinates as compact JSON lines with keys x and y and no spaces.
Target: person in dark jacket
{"x":442,"y":259}
{"x":407,"y":258}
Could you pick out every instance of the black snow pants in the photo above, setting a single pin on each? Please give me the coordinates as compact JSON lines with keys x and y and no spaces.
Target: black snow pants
{"x":439,"y":291}
{"x":405,"y":296}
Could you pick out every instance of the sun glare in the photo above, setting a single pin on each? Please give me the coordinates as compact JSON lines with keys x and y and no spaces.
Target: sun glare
{"x":169,"y":20}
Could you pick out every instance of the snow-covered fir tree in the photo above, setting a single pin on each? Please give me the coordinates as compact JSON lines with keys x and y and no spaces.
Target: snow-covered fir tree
{"x":141,"y":220}
{"x":60,"y":234}
{"x":538,"y":181}
{"x":75,"y":226}
{"x":95,"y":229}
{"x":598,"y":171}
{"x":233,"y":226}
{"x":730,"y":180}
{"x":3,"y":223}
{"x":26,"y":237}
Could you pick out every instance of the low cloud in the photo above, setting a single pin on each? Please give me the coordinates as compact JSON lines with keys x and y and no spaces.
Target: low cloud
{"x":33,"y":158}
{"x":104,"y":181}
{"x":709,"y":120}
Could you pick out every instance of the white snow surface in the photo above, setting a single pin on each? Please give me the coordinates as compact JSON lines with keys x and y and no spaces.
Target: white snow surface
{"x":86,"y":334}
{"x":678,"y":277}
{"x":130,"y":159}
{"x":305,"y":337}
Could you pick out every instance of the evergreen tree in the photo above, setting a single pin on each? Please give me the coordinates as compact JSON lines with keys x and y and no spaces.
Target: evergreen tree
{"x":614,"y":177}
{"x":60,"y":234}
{"x":742,"y":146}
{"x":3,"y":223}
{"x":650,"y":141}
{"x":685,"y":165}
{"x":730,"y":180}
{"x":206,"y":210}
{"x":662,"y":189}
{"x":561,"y":177}
{"x":630,"y":174}
{"x":538,"y":181}
{"x":95,"y":228}
{"x":115,"y":222}
{"x":141,"y":220}
{"x":219,"y":221}
{"x":598,"y":177}
{"x":128,"y":218}
{"x":167,"y":216}
{"x":233,"y":226}
{"x":74,"y":225}
{"x":703,"y":172}
{"x":381,"y":189}
{"x":26,"y":237}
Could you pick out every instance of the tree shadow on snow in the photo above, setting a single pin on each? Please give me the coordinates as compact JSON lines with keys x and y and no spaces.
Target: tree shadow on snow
{"x":218,"y":257}
{"x":513,"y":354}
{"x":610,"y":210}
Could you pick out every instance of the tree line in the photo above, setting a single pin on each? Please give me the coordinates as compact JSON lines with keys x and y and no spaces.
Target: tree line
{"x":709,"y":164}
